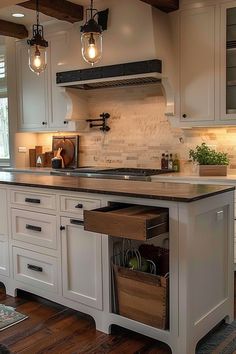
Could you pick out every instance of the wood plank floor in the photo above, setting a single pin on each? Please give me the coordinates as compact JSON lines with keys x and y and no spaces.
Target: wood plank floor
{"x":55,"y":329}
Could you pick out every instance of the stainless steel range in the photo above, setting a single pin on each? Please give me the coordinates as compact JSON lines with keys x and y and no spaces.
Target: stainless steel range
{"x":134,"y":174}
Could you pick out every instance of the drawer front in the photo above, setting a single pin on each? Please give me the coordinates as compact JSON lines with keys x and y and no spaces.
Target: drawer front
{"x":35,"y":200}
{"x":35,"y":228}
{"x":76,"y":206}
{"x":127,"y":221}
{"x":35,"y":269}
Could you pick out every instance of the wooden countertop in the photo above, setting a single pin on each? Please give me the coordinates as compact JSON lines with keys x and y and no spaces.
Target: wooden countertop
{"x":180,"y":192}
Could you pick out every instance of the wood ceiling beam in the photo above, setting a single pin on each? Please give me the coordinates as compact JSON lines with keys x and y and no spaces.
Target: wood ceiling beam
{"x":164,"y":5}
{"x":61,"y":9}
{"x":12,"y":29}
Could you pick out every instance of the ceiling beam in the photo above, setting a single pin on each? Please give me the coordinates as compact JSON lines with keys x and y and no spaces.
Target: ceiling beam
{"x":12,"y":29}
{"x":61,"y":9}
{"x":164,"y":5}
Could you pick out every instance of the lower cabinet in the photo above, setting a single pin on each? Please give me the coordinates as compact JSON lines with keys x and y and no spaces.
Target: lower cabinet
{"x":81,"y":263}
{"x":4,"y":256}
{"x":35,"y":269}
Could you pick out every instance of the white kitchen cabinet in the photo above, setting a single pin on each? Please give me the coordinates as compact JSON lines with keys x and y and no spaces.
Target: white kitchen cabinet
{"x":81,"y":264}
{"x":206,"y":85}
{"x":33,"y":93}
{"x":4,"y":252}
{"x":42,"y":105}
{"x":58,"y":52}
{"x":4,"y":256}
{"x":34,"y":228}
{"x":197,"y":69}
{"x":228,"y":61}
{"x":35,"y":269}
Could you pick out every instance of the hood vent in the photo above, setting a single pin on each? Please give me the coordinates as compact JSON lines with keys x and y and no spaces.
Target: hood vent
{"x":128,"y":74}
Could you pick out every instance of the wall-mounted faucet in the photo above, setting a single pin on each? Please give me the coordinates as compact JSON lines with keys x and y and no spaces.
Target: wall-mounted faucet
{"x":103,"y":122}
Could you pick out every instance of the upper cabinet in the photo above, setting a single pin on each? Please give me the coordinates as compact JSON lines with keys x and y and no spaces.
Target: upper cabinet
{"x":197,"y":64}
{"x":228,"y":61}
{"x":33,"y":98}
{"x":206,"y":87}
{"x":42,"y":105}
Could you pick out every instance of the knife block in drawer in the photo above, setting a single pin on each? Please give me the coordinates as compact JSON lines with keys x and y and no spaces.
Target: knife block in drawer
{"x":142,"y":297}
{"x":135,"y":222}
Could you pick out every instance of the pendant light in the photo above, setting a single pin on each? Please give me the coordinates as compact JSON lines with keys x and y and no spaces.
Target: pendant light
{"x":91,"y":38}
{"x":37,"y":47}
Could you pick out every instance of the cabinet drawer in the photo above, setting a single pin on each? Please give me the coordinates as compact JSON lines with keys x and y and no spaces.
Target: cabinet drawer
{"x":128,"y":221}
{"x":35,"y":228}
{"x":35,"y":269}
{"x":76,"y":205}
{"x":36,"y":200}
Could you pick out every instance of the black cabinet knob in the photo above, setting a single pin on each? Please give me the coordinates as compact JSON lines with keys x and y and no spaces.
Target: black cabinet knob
{"x":44,"y":123}
{"x":66,"y":122}
{"x":62,"y":228}
{"x":184,"y":115}
{"x":79,"y":206}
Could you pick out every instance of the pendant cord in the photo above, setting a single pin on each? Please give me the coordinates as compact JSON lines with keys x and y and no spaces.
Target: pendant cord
{"x":91,"y":8}
{"x":37,"y":11}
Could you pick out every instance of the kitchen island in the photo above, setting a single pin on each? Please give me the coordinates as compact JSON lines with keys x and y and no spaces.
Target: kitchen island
{"x":45,"y":249}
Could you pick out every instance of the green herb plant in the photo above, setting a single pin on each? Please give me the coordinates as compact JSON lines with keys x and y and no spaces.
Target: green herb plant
{"x":206,"y":156}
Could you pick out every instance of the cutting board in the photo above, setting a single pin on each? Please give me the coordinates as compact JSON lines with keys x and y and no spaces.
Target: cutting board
{"x":68,"y":150}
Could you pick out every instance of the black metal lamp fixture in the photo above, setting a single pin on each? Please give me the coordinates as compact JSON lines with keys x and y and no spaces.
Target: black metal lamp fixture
{"x":38,"y":47}
{"x":91,"y":38}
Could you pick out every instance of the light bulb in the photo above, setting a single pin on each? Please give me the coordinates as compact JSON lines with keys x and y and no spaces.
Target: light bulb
{"x":37,"y":61}
{"x":92,"y":51}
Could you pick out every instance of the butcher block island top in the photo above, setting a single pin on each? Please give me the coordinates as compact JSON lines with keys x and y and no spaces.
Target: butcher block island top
{"x":180,"y":192}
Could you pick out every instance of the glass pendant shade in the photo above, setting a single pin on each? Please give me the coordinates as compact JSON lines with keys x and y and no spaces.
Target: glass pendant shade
{"x":91,"y":47}
{"x":37,"y":58}
{"x":37,"y":47}
{"x":91,"y":37}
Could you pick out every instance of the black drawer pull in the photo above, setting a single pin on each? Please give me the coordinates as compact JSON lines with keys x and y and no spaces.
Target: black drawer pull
{"x":34,"y":268}
{"x":34,"y":201}
{"x":79,"y":206}
{"x":33,"y":228}
{"x":76,"y":222}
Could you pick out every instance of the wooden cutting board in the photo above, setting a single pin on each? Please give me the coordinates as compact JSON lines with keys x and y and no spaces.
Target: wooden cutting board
{"x":68,"y":150}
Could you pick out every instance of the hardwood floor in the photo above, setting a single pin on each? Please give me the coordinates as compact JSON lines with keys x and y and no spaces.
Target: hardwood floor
{"x":55,"y":329}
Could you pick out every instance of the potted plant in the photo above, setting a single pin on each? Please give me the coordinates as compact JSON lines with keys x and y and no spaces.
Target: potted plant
{"x":211,"y":163}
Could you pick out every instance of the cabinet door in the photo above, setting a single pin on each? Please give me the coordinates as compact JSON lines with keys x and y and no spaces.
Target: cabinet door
{"x":59,"y":53}
{"x":4,"y":256}
{"x":4,"y":253}
{"x":32,"y":93}
{"x":228,"y":61}
{"x":81,"y":264}
{"x":197,"y":64}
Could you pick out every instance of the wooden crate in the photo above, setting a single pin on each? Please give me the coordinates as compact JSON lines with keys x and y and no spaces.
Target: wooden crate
{"x":142,"y":297}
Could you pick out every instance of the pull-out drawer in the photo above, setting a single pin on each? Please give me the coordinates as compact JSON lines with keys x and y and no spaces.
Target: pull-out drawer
{"x":128,"y":221}
{"x":35,"y":228}
{"x":36,"y":200}
{"x":76,"y":205}
{"x":35,"y":269}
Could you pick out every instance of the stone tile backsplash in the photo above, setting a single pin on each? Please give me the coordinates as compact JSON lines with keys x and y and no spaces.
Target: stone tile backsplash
{"x":140,"y":132}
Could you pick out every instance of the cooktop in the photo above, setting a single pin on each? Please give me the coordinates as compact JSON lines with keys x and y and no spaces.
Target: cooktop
{"x":139,"y":174}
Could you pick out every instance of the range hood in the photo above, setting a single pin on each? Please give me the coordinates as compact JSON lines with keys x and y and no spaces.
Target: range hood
{"x":120,"y":75}
{"x":132,"y":57}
